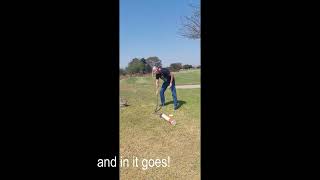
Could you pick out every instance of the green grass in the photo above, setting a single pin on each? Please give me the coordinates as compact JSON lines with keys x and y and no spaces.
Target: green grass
{"x":188,"y":77}
{"x":144,"y":135}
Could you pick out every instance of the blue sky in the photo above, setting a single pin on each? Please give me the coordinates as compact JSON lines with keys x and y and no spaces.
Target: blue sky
{"x":150,"y":28}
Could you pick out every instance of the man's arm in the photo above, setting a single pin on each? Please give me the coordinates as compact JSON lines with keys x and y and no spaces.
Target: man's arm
{"x":157,"y":85}
{"x":172,"y":76}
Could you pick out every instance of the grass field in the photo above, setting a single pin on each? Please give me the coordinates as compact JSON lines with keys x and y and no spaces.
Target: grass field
{"x":188,"y":77}
{"x":144,"y":135}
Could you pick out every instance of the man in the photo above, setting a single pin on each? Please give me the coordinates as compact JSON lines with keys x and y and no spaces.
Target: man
{"x":168,"y":81}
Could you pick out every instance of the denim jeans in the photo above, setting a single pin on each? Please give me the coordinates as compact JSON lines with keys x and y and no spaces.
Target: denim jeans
{"x":173,"y":91}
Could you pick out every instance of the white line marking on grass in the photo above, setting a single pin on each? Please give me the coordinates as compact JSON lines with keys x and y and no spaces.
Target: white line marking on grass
{"x":187,"y":86}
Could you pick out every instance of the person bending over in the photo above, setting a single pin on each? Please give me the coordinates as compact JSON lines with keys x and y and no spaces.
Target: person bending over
{"x":168,"y":82}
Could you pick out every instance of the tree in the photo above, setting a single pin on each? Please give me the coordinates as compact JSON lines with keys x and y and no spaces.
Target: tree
{"x":175,"y":66}
{"x":135,"y":66}
{"x":143,"y":60}
{"x":122,"y":72}
{"x":147,"y":68}
{"x":187,"y":66}
{"x":153,"y":61}
{"x":191,"y":25}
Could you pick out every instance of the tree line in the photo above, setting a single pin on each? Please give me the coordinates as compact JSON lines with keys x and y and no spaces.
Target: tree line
{"x":144,"y":66}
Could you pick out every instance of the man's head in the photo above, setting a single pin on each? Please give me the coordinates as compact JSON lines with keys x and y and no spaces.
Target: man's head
{"x":155,"y":70}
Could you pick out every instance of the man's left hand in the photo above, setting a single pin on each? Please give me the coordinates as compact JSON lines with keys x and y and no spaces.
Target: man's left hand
{"x":170,"y":85}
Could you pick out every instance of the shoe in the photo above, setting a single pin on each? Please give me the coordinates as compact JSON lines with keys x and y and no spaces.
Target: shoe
{"x":176,"y":107}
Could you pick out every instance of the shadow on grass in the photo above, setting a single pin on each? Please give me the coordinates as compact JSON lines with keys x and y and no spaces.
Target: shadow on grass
{"x":180,"y":103}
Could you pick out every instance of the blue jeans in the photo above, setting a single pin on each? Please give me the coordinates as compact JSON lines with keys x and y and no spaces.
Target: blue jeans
{"x":173,"y":91}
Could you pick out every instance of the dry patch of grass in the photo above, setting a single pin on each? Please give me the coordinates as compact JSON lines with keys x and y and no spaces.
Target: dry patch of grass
{"x":144,"y":135}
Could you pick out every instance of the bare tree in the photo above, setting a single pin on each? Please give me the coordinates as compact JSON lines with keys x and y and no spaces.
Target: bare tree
{"x":191,"y":24}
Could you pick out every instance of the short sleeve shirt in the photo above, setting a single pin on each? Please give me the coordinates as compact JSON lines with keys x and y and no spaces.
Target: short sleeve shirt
{"x":164,"y":75}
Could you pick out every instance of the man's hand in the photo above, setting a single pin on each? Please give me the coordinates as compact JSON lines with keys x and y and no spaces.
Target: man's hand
{"x":170,"y":85}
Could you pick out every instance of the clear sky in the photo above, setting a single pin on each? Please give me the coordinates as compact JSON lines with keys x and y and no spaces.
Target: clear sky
{"x":150,"y":28}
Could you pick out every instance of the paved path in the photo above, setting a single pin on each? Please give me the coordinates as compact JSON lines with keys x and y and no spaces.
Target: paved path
{"x":187,"y":86}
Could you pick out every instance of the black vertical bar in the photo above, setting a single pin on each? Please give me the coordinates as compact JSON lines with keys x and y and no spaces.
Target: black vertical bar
{"x":66,"y":82}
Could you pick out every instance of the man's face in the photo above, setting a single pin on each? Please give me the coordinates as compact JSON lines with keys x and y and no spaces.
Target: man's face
{"x":157,"y":70}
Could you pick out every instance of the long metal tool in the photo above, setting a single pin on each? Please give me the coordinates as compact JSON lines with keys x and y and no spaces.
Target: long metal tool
{"x":157,"y":108}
